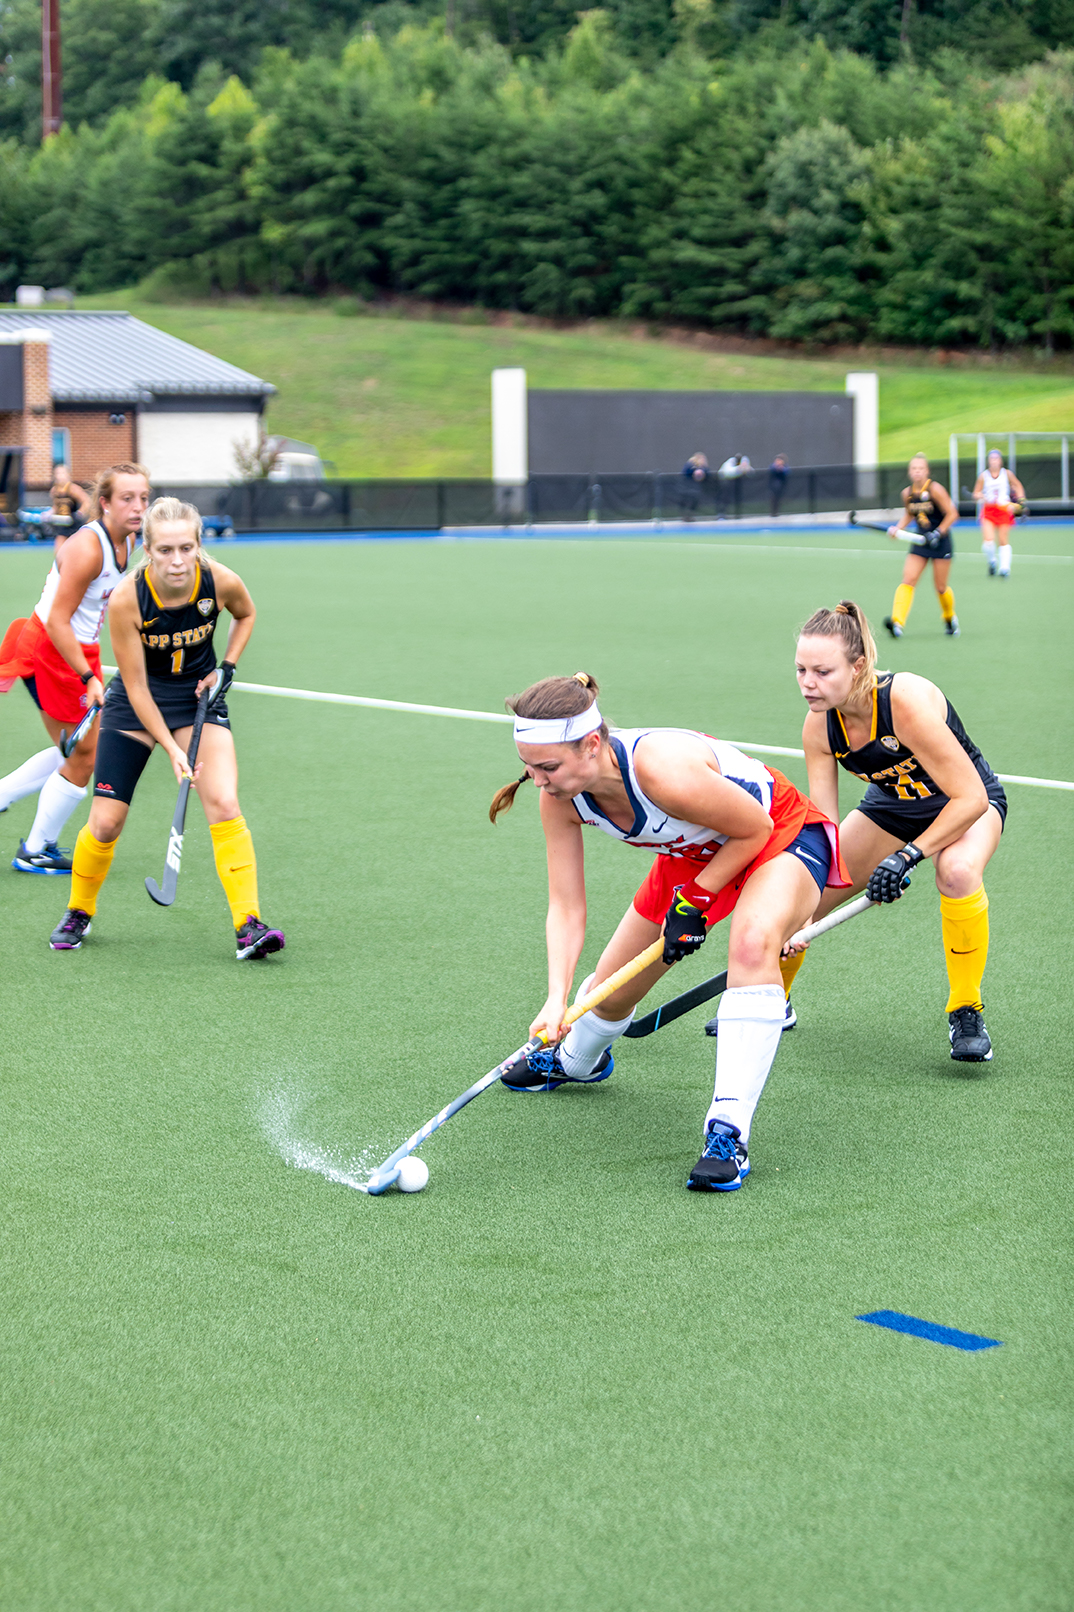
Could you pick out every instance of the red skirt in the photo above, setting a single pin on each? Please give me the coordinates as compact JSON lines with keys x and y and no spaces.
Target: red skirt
{"x":28,"y":651}
{"x":790,"y":812}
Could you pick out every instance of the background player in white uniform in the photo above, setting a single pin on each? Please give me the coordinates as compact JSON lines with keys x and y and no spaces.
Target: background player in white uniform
{"x":731,"y":836}
{"x":57,"y":654}
{"x":999,"y":488}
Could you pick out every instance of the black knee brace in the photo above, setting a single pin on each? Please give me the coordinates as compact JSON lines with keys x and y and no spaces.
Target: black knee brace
{"x":120,"y":763}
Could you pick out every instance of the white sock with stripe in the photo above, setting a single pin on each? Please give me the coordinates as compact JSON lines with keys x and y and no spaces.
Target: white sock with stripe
{"x":28,"y":778}
{"x":751,"y":1021}
{"x":58,"y":799}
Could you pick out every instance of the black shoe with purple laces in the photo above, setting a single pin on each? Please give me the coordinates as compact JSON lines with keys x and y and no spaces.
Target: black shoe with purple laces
{"x":256,"y":939}
{"x":71,"y":930}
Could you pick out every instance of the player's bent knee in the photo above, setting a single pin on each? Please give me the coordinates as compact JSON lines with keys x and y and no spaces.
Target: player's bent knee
{"x":752,"y":946}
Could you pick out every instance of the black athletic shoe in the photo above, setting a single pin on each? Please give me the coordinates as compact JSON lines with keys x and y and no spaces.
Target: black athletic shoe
{"x":893,"y":627}
{"x":722,"y":1167}
{"x":951,"y":627}
{"x":790,"y":1019}
{"x":969,"y":1036}
{"x":256,"y":939}
{"x":51,"y":860}
{"x":544,"y":1071}
{"x":72,"y":930}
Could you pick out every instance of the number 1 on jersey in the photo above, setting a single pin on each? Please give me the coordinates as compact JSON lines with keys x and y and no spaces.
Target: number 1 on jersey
{"x":177,"y":662}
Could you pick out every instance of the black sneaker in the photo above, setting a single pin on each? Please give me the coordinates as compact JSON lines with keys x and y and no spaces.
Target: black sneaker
{"x":722,"y":1167}
{"x":893,"y":627}
{"x":51,"y":860}
{"x":951,"y":627}
{"x":71,"y":930}
{"x":969,"y":1036}
{"x":544,"y":1071}
{"x":790,"y":1019}
{"x":256,"y":939}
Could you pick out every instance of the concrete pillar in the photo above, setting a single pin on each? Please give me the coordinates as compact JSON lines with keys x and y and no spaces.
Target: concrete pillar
{"x":864,"y":387}
{"x":36,"y":407}
{"x":510,"y":453}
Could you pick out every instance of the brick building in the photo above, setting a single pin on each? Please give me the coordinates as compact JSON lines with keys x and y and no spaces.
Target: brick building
{"x":94,"y":388}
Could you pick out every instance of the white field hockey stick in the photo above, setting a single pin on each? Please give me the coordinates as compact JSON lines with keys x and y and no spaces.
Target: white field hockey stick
{"x":386,"y":1173}
{"x":904,"y":536}
{"x":704,"y":992}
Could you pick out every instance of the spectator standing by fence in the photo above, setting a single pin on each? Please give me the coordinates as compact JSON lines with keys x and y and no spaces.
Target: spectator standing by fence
{"x":778,"y":471}
{"x":696,"y":473}
{"x":731,"y":471}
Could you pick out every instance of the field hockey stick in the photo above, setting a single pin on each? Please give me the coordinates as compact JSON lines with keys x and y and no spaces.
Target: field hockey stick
{"x":173,"y":855}
{"x":67,"y":745}
{"x":871,"y":526}
{"x":385,"y":1174}
{"x":718,"y":983}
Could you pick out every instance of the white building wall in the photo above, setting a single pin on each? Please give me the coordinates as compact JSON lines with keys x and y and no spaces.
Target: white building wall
{"x":193,"y":447}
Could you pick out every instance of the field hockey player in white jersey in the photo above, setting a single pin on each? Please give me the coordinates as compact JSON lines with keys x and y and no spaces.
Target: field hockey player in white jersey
{"x":731,"y":837}
{"x":57,"y":654}
{"x":1002,"y":493}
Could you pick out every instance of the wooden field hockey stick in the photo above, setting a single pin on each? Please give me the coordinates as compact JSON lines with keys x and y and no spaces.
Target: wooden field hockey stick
{"x":718,"y":983}
{"x":67,"y":745}
{"x":385,"y":1174}
{"x":174,"y":854}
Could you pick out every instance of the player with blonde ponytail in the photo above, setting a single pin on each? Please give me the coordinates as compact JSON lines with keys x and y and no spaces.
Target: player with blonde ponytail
{"x":931,"y":795}
{"x":731,"y":837}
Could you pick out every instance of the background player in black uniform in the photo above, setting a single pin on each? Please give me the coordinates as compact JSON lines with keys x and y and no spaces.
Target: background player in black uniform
{"x":162,"y":620}
{"x":928,"y":512}
{"x":931,"y":794}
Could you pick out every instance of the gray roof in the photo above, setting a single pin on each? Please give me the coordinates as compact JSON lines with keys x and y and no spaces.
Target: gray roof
{"x":116,"y":358}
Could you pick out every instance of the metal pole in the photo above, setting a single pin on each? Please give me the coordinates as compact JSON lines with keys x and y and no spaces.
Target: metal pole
{"x":982,"y":457}
{"x":952,"y":467}
{"x":1012,"y":451}
{"x":51,"y":69}
{"x":1064,"y":469}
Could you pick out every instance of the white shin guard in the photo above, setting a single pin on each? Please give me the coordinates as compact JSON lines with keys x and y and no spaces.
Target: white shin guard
{"x":58,"y":799}
{"x":751,"y":1022}
{"x":1004,"y":559}
{"x":988,"y":549}
{"x":586,"y":1040}
{"x":30,"y":777}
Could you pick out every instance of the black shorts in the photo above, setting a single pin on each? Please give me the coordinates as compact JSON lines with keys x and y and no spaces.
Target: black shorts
{"x":904,"y":819}
{"x":175,"y":700}
{"x":31,"y":689}
{"x":940,"y":547}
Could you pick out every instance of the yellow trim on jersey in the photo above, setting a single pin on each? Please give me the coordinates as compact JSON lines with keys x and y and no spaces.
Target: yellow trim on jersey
{"x":872,"y":730}
{"x":160,"y":601}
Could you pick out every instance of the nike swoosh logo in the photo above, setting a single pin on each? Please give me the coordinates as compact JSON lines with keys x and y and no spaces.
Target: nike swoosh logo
{"x":150,"y":622}
{"x":806,"y":857}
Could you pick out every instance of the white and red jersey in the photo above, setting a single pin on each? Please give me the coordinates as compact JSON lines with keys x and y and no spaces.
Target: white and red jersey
{"x":88,"y":619}
{"x":996,"y":489}
{"x":652,"y":828}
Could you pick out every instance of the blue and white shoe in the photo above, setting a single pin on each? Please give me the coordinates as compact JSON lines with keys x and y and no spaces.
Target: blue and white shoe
{"x":722,"y":1167}
{"x":790,"y":1019}
{"x":51,"y":860}
{"x":544,"y":1071}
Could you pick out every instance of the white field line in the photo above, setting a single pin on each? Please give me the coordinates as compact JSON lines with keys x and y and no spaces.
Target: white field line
{"x":319,"y":697}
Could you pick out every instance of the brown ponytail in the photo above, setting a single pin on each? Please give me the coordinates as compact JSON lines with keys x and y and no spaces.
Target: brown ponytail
{"x":551,"y":698}
{"x":849,"y":624}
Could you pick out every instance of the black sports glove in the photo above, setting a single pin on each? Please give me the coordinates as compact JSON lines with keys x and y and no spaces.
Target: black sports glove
{"x":227,"y":677}
{"x":891,"y":877}
{"x":684,"y":929}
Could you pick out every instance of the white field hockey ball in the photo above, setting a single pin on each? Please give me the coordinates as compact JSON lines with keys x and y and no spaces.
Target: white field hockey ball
{"x":413,"y":1174}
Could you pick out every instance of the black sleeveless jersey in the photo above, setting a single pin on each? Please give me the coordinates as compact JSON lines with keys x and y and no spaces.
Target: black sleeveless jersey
{"x":178,"y":639}
{"x":885,"y":762}
{"x":924,"y":511}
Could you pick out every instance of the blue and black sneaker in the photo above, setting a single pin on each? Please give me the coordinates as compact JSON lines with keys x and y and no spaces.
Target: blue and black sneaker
{"x":51,"y":860}
{"x":544,"y":1071}
{"x":723,"y":1166}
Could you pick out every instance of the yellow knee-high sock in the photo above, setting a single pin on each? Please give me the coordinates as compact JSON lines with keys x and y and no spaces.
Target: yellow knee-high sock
{"x":904,"y":600}
{"x":233,"y":850}
{"x":947,"y":604}
{"x":964,"y":921}
{"x":788,"y":968}
{"x":89,"y":869}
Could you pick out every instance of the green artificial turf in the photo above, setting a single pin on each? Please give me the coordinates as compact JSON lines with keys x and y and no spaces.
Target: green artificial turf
{"x":403,"y":397}
{"x":555,"y":1381}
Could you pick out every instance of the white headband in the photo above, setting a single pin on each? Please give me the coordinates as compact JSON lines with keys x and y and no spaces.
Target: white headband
{"x":559,"y":731}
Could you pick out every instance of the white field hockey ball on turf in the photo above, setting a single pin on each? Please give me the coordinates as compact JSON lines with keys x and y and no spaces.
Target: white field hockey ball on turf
{"x":413,"y":1174}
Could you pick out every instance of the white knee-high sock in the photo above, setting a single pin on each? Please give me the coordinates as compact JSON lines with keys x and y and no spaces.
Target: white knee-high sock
{"x":1004,"y":559}
{"x":28,"y":778}
{"x":586,"y":1040}
{"x":57,"y":800}
{"x":751,"y":1021}
{"x":988,"y":549}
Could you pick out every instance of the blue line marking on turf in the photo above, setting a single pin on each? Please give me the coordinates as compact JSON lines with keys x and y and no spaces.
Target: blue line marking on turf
{"x":929,"y":1329}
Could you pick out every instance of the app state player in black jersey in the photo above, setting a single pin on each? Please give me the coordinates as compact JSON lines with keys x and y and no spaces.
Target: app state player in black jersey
{"x":929,"y":513}
{"x":162,"y":619}
{"x":931,"y":794}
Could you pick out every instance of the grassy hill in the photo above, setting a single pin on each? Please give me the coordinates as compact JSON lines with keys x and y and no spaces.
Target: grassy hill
{"x":406,"y":396}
